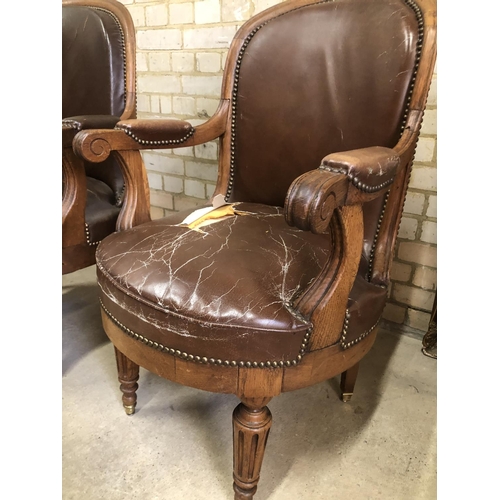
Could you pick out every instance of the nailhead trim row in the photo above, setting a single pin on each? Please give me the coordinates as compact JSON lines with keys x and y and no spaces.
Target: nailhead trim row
{"x":410,"y":169}
{"x":375,"y":239}
{"x":418,"y":13}
{"x":166,"y":142}
{"x":87,"y":234}
{"x":123,"y":49}
{"x":360,"y":338}
{"x":212,"y":361}
{"x":356,"y":182}
{"x":119,"y":197}
{"x":419,"y":16}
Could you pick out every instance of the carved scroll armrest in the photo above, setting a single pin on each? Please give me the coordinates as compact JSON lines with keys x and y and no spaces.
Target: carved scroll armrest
{"x":73,"y":124}
{"x":345,"y":178}
{"x":134,"y":135}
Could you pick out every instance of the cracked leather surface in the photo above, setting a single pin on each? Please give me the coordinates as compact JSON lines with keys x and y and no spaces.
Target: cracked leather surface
{"x":225,"y":291}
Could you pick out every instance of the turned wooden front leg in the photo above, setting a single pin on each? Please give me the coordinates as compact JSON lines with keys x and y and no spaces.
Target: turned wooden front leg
{"x":128,"y":375}
{"x":250,"y":430}
{"x":347,"y":381}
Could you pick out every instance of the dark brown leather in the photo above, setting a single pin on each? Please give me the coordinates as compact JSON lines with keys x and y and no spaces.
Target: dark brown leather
{"x":93,"y":66}
{"x":109,"y":172}
{"x":318,"y":80}
{"x":315,"y":81}
{"x":366,"y":304}
{"x":91,"y":121}
{"x":101,"y":212}
{"x":212,"y":293}
{"x":166,"y":130}
{"x":93,"y":80}
{"x":224,"y":293}
{"x":369,"y":169}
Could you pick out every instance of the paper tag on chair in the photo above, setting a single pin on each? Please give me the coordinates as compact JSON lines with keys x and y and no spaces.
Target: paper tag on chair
{"x":219,"y":210}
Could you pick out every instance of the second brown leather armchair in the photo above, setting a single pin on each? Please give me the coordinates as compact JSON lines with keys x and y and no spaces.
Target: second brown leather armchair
{"x":98,"y":90}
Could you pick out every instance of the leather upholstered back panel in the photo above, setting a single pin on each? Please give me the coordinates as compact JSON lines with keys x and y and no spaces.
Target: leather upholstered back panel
{"x":322,"y":78}
{"x":93,"y":65}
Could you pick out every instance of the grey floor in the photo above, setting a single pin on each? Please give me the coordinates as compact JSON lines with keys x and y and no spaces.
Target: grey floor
{"x":382,"y":445}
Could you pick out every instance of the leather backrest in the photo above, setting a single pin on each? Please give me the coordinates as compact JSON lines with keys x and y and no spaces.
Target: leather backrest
{"x":322,"y":78}
{"x":93,"y":76}
{"x":93,"y":62}
{"x":319,"y":79}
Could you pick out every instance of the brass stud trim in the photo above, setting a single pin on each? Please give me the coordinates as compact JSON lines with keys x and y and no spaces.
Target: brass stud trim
{"x":204,"y":360}
{"x":124,"y":52}
{"x":120,"y":196}
{"x":165,"y":142}
{"x":375,"y":239}
{"x":355,"y":181}
{"x":418,"y":14}
{"x":87,"y":236}
{"x":345,"y":328}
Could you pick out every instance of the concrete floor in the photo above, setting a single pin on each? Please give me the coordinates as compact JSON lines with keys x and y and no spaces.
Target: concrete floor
{"x":381,"y":445}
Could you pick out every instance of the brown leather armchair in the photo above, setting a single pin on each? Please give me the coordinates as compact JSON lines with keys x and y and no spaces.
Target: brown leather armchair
{"x":284,"y":285}
{"x":98,"y":90}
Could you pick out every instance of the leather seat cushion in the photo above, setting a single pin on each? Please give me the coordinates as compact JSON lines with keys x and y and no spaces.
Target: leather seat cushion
{"x":101,"y":213}
{"x":222,"y":292}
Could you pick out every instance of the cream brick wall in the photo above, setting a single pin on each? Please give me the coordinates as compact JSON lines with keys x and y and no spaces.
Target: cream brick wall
{"x":181,"y":51}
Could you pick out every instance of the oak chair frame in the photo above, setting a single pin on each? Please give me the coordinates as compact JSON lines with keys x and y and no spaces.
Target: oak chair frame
{"x":333,"y":201}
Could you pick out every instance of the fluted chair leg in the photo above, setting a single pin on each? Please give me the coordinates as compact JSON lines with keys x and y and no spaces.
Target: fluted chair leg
{"x":250,"y":431}
{"x":347,"y":381}
{"x":128,"y":375}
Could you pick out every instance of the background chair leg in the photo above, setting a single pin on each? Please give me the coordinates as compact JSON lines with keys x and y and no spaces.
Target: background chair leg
{"x":347,"y":381}
{"x":250,"y":431}
{"x":128,"y":375}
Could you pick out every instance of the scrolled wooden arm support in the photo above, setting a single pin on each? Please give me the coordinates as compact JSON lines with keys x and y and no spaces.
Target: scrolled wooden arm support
{"x":312,"y":199}
{"x":73,"y":124}
{"x":346,"y":178}
{"x":134,"y":135}
{"x":332,"y":197}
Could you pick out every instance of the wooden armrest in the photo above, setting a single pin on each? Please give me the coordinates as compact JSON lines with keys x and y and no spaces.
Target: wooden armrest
{"x":133,"y":135}
{"x":342,"y":179}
